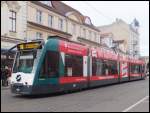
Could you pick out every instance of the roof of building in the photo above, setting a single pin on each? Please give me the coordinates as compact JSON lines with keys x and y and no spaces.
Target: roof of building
{"x":63,"y":8}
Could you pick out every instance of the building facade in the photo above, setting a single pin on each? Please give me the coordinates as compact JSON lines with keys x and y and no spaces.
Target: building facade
{"x":107,"y":39}
{"x":124,"y":34}
{"x":134,"y":43}
{"x":13,"y":28}
{"x":30,"y":20}
{"x":49,"y":18}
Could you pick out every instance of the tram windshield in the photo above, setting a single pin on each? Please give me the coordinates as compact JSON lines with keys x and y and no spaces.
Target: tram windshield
{"x":24,"y":61}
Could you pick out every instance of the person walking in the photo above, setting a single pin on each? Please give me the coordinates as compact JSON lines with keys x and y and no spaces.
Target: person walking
{"x":6,"y":74}
{"x":2,"y":76}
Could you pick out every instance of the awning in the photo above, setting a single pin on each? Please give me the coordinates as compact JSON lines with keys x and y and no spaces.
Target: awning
{"x":4,"y":51}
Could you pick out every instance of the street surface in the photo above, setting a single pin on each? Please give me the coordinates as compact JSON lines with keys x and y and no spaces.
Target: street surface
{"x":125,"y":97}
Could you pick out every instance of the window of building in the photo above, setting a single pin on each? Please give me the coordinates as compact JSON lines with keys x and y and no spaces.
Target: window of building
{"x":90,"y":35}
{"x":60,"y":24}
{"x":73,"y":29}
{"x":39,"y":17}
{"x":12,"y":19}
{"x":80,"y":31}
{"x":50,"y":20}
{"x":88,"y":21}
{"x":73,"y":65}
{"x":50,"y":65}
{"x":135,"y":69}
{"x":95,"y":36}
{"x":38,"y":35}
{"x":104,"y":67}
{"x":84,"y":33}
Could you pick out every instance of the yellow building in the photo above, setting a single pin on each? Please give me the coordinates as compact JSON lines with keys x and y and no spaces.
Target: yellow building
{"x":29,"y":20}
{"x":48,"y":18}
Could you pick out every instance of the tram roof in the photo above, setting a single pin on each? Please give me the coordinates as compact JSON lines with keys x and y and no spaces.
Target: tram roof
{"x":79,"y":47}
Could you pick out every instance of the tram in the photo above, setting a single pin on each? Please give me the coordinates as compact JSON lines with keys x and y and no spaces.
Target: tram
{"x":57,"y":65}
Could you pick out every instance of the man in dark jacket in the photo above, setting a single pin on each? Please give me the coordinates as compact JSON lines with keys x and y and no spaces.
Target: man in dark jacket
{"x":4,"y":77}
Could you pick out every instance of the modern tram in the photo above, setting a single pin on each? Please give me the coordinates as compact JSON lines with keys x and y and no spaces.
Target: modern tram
{"x":57,"y":65}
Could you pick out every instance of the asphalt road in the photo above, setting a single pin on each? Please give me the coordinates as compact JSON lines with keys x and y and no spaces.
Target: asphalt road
{"x":131,"y":96}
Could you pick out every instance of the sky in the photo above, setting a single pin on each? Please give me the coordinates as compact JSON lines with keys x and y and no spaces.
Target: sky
{"x":106,"y":12}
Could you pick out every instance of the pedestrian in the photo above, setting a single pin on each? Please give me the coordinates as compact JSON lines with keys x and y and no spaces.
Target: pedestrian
{"x":2,"y":76}
{"x":6,"y":74}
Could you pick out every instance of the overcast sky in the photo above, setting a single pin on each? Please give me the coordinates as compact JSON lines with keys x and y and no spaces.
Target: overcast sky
{"x":105,"y":12}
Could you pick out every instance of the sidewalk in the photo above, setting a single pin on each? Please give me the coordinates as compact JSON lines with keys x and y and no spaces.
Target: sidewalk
{"x":4,"y":88}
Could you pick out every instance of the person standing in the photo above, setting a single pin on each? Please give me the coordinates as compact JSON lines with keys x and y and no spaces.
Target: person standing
{"x":9,"y":75}
{"x":3,"y":76}
{"x":6,"y":74}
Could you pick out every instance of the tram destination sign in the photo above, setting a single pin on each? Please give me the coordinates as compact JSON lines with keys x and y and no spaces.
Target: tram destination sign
{"x":30,"y":45}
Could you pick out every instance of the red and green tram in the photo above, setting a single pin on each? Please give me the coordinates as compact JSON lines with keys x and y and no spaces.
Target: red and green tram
{"x":57,"y":66}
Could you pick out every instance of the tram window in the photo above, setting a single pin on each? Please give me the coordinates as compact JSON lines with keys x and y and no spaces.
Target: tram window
{"x":50,"y":65}
{"x":73,"y":65}
{"x":110,"y":67}
{"x":97,"y":67}
{"x":142,"y":68}
{"x":114,"y":67}
{"x":103,"y":67}
{"x":94,"y":66}
{"x":24,"y":62}
{"x":135,"y":69}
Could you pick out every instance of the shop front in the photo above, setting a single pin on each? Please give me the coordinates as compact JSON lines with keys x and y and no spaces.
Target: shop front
{"x":7,"y":58}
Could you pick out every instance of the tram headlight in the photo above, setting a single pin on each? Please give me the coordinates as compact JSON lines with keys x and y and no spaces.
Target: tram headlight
{"x":26,"y":83}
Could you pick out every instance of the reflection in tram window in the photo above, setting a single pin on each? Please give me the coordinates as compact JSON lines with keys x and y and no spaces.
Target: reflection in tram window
{"x":73,"y":65}
{"x":50,"y":65}
{"x":135,"y":68}
{"x":142,"y":69}
{"x":97,"y":67}
{"x":103,"y":67}
{"x":24,"y":62}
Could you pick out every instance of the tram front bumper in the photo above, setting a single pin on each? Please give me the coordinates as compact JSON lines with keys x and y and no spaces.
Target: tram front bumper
{"x":19,"y":88}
